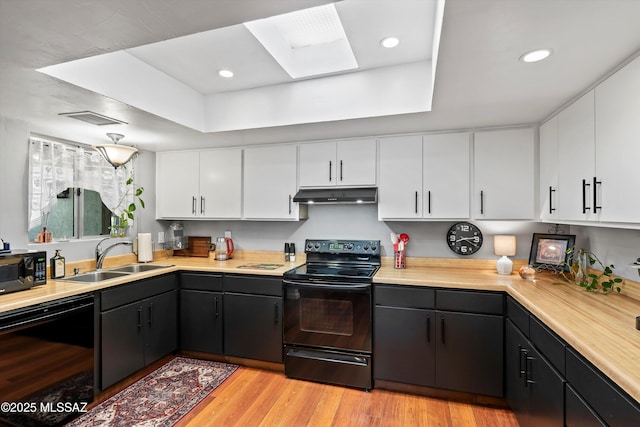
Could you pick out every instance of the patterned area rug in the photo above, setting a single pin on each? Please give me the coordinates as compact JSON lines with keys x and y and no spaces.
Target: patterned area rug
{"x":162,"y":397}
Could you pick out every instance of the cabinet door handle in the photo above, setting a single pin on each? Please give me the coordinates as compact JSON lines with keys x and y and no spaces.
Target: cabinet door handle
{"x":428,"y":328}
{"x":290,"y":204}
{"x":429,"y":201}
{"x":330,"y":167}
{"x":416,"y":202}
{"x":521,"y":352}
{"x":527,"y":379}
{"x":202,"y":205}
{"x":584,"y":196}
{"x":275,"y":313}
{"x":150,"y":314}
{"x":595,"y":195}
{"x":215,"y":306}
{"x":140,"y":318}
{"x":193,"y":205}
{"x":341,"y":170}
{"x":481,"y":202}
{"x":442,"y":329}
{"x":551,"y":208}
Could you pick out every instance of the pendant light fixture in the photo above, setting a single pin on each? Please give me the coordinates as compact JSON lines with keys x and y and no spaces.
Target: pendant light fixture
{"x":116,"y":154}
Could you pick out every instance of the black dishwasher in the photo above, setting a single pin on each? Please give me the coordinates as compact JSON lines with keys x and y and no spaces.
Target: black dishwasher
{"x":47,"y":362}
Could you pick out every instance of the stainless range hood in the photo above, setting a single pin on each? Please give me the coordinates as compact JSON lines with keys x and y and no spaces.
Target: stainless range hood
{"x":337,"y":195}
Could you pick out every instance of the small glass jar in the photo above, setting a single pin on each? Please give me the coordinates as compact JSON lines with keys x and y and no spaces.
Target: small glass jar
{"x":528,"y":272}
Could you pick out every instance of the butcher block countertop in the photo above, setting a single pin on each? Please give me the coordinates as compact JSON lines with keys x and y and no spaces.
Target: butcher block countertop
{"x":600,"y":327}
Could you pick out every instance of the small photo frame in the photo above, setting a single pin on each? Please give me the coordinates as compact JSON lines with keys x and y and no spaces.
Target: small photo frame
{"x":550,"y":250}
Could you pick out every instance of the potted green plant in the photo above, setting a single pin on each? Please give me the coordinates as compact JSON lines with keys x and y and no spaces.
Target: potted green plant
{"x":581,"y":272}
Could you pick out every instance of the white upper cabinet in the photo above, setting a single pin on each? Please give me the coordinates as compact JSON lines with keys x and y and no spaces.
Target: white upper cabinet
{"x":549,"y":170}
{"x":576,"y":142}
{"x":504,"y":174}
{"x":270,"y":183}
{"x":617,"y":149}
{"x":445,"y":176}
{"x":203,"y":184}
{"x":400,"y":178}
{"x":424,"y":177}
{"x":346,"y":163}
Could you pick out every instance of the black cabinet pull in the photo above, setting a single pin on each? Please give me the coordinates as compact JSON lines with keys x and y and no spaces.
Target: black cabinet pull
{"x":428,"y":328}
{"x":527,"y":379}
{"x":429,"y":201}
{"x":442,"y":329}
{"x":551,"y":208}
{"x":140,"y":318}
{"x":275,"y":313}
{"x":330,"y":167}
{"x":215,"y":306}
{"x":595,"y":195}
{"x":340,"y":170}
{"x":481,"y":202}
{"x":584,"y":196}
{"x":150,"y":314}
{"x":521,"y":352}
{"x":416,"y":202}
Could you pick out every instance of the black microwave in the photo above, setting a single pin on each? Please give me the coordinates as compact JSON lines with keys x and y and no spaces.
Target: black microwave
{"x":22,"y":270}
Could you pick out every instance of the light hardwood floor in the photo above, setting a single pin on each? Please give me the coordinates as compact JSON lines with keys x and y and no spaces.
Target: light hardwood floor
{"x":254,"y":397}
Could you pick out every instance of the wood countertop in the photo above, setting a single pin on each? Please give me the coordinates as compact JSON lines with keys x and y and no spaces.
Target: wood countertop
{"x":600,"y":327}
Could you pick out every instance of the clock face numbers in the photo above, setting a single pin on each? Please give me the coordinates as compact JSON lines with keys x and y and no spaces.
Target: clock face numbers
{"x":464,"y":238}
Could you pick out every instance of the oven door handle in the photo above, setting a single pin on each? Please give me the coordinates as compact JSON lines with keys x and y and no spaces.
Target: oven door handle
{"x":338,"y":286}
{"x":328,"y":357}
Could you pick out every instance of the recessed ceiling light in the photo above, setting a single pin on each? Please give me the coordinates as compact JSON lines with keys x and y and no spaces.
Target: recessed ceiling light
{"x":390,"y":42}
{"x":536,"y":55}
{"x":225,"y":73}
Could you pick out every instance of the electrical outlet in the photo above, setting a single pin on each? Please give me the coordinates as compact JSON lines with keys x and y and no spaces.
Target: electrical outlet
{"x":227,"y":234}
{"x":160,"y":237}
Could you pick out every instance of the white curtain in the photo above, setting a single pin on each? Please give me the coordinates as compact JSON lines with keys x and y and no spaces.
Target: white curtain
{"x":55,"y":166}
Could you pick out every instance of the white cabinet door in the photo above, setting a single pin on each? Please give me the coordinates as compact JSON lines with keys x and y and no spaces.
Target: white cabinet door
{"x":220,"y":183}
{"x":445,"y":175}
{"x":348,"y":163}
{"x":617,"y":135}
{"x":270,"y":183}
{"x":549,"y":170}
{"x":400,"y":179}
{"x":177,"y":182}
{"x":317,"y":164}
{"x":356,"y":162}
{"x":504,"y":174}
{"x":576,"y":151}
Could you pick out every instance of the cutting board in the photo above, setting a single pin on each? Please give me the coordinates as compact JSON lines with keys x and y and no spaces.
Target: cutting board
{"x":198,"y":246}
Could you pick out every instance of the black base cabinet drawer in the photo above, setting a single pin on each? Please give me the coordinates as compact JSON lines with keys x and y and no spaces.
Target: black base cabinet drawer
{"x":609,"y":402}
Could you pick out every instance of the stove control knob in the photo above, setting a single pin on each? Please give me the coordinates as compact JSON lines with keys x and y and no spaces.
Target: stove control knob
{"x":365,"y":247}
{"x":317,"y":245}
{"x":373,"y":248}
{"x":310,"y":246}
{"x":350,"y":246}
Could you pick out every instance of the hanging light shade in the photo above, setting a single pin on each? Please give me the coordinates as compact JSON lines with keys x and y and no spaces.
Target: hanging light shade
{"x":116,"y":154}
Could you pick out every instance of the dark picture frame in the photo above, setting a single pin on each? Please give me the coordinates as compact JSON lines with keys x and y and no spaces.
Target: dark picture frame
{"x":549,"y":251}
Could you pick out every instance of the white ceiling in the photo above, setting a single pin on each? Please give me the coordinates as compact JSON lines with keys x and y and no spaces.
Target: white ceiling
{"x":479,"y":81}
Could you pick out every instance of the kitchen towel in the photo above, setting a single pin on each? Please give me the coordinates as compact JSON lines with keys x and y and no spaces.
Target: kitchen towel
{"x":145,"y":249}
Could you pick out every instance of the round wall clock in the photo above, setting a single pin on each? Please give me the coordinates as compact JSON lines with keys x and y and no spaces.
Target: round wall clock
{"x":464,"y":238}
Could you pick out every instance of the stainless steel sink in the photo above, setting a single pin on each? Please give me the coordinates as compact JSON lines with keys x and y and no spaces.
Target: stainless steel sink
{"x":138,"y":268}
{"x":95,"y":276}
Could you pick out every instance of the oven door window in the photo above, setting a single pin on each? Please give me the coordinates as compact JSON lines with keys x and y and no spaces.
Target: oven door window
{"x":326,"y":316}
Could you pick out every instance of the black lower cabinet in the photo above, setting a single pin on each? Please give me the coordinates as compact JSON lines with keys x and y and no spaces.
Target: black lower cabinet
{"x":253,"y":326}
{"x":534,"y":389}
{"x":417,"y":343}
{"x":469,"y":353}
{"x":253,"y":317}
{"x":201,"y":312}
{"x":578,"y":413}
{"x":201,"y":321}
{"x":404,"y":345}
{"x":137,"y":334}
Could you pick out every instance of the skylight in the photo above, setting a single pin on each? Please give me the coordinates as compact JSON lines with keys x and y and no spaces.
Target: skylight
{"x":306,"y":43}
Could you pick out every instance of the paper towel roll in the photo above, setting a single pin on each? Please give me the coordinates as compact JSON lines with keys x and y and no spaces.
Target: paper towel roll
{"x":145,"y":249}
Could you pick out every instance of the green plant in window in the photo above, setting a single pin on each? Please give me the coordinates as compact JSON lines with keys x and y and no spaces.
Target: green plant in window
{"x":581,"y":272}
{"x":128,"y":213}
